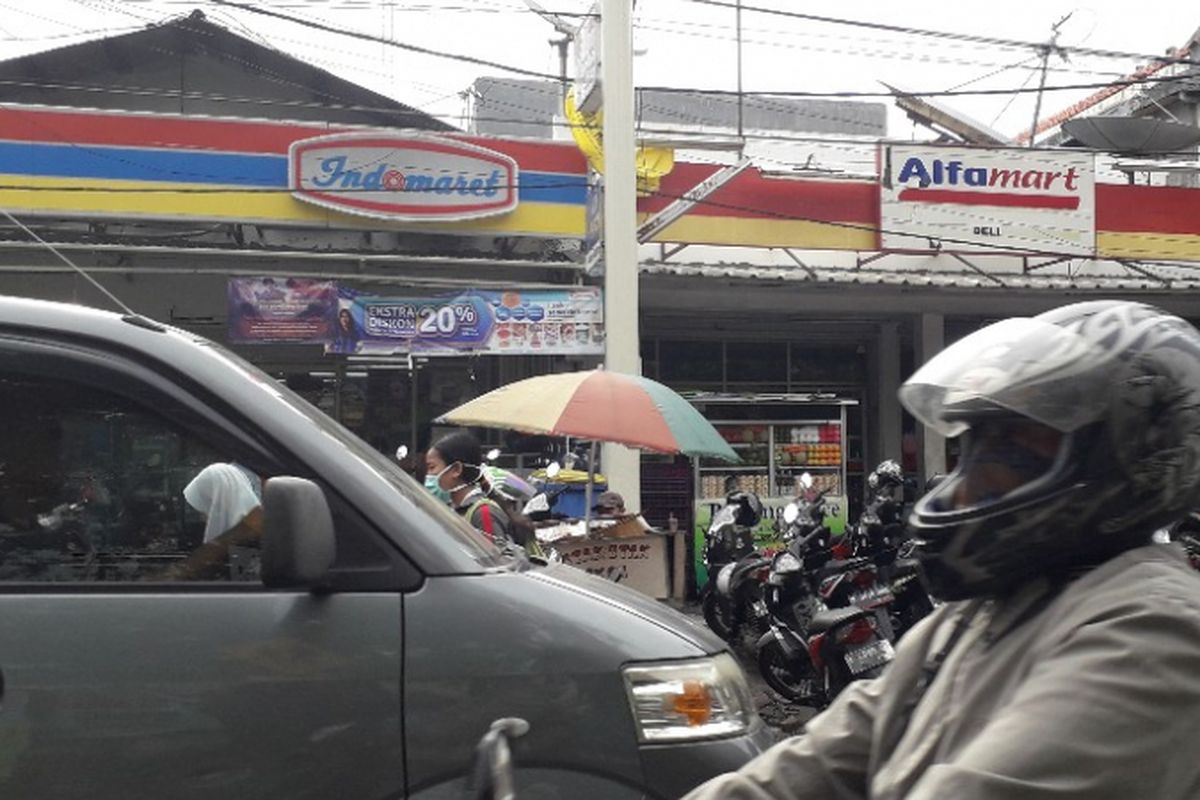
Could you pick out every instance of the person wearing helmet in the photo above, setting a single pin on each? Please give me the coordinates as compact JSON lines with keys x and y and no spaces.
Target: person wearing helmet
{"x":886,"y":485}
{"x":749,"y":509}
{"x":1068,"y":663}
{"x":888,"y":473}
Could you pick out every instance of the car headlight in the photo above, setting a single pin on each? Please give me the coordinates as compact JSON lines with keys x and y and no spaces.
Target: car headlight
{"x":677,"y":701}
{"x":785,"y":563}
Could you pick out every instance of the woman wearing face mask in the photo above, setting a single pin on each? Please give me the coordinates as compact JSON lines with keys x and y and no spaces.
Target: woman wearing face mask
{"x":453,"y":473}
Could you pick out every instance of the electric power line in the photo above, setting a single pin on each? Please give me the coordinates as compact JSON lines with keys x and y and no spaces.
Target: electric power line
{"x":1187,"y":78}
{"x":835,"y":94}
{"x":871,"y":54}
{"x":932,"y":238}
{"x":748,"y":209}
{"x":950,"y":35}
{"x":119,"y":303}
{"x":826,"y":141}
{"x":953,"y":92}
{"x":381,"y":40}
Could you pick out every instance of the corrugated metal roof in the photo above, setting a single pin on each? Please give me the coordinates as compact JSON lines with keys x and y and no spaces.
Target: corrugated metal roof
{"x":1173,"y":278}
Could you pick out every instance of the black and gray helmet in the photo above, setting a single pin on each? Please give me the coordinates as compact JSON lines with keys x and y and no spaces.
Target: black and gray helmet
{"x":888,"y":473}
{"x":749,"y":508}
{"x":1108,"y":393}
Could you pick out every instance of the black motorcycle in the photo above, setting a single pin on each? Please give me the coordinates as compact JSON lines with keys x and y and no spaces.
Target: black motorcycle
{"x":732,"y":599}
{"x":812,"y":650}
{"x":881,"y":536}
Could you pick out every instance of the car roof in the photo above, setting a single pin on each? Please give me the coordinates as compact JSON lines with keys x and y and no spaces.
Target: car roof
{"x":70,"y":318}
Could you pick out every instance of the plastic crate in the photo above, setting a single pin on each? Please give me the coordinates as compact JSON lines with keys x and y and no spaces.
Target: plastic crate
{"x":572,"y":501}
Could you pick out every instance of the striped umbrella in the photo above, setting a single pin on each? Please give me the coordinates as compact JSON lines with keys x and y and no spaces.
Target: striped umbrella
{"x":600,"y":406}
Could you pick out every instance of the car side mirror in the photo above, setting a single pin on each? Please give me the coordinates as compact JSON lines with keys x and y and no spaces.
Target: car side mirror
{"x":298,"y":540}
{"x":492,"y":774}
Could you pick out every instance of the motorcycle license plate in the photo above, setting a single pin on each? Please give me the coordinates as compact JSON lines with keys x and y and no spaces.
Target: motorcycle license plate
{"x":869,"y":656}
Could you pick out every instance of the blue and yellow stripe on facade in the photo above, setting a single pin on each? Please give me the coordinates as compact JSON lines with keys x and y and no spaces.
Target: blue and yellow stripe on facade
{"x":71,"y":175}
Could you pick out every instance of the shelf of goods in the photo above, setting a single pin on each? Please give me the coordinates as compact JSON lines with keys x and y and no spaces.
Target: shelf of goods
{"x":774,"y":456}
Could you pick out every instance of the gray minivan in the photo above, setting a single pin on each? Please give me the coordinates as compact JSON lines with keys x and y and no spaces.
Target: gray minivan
{"x":359,"y":652}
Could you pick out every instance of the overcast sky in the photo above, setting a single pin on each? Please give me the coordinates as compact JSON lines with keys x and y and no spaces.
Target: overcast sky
{"x":687,"y":43}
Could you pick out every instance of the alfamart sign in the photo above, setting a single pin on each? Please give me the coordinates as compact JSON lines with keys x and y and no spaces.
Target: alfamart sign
{"x":998,"y":201}
{"x":410,"y":178}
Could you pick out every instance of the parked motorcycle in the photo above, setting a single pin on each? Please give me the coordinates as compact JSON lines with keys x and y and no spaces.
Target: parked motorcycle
{"x":732,"y":599}
{"x":880,"y":535}
{"x":1187,"y":533}
{"x":812,"y":650}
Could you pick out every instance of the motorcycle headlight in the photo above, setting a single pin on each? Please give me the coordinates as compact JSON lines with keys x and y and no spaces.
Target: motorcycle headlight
{"x":679,"y":701}
{"x":786,"y":563}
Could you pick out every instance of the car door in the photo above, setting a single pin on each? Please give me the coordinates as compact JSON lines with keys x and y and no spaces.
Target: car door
{"x":120,"y":681}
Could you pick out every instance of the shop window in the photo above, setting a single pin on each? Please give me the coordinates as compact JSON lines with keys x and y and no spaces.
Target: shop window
{"x":827,"y":365}
{"x":649,"y":354}
{"x":352,"y":409}
{"x":387,"y":417}
{"x":959,"y":327}
{"x":685,"y":365}
{"x":761,"y":363}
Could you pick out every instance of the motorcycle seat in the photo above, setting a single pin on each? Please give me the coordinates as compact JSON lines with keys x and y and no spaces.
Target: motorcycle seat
{"x":749,"y":564}
{"x":834,"y":567}
{"x":824,"y":620}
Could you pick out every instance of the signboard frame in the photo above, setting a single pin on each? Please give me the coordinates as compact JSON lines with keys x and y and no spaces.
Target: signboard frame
{"x":1001,"y":201}
{"x":366,"y":186}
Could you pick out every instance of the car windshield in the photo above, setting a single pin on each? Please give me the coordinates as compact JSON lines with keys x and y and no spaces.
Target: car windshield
{"x":466,"y":537}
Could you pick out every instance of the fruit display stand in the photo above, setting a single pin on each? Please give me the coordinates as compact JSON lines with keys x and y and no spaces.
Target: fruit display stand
{"x":779,"y":438}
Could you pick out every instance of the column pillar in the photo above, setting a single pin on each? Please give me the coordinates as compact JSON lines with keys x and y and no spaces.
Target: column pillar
{"x":887,"y":409}
{"x":930,"y":342}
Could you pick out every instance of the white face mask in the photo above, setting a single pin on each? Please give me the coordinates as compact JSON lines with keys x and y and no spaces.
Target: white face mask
{"x":452,"y":489}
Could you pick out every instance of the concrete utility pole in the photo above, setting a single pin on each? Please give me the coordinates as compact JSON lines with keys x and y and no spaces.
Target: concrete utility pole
{"x":563,"y":45}
{"x":622,"y":354}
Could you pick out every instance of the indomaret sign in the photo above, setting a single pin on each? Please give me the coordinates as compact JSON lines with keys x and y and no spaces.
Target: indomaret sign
{"x":409,"y":177}
{"x":997,"y":201}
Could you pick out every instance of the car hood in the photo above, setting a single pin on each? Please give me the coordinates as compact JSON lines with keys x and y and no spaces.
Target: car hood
{"x":631,"y":601}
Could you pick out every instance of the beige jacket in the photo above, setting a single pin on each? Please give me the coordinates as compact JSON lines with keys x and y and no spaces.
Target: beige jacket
{"x":1092,"y":692}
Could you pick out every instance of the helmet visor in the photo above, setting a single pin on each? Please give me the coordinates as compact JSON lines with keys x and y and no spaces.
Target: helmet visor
{"x":1001,"y":457}
{"x":1028,"y":367}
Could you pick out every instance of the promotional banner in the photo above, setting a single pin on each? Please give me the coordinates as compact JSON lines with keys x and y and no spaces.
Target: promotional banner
{"x":281,"y":310}
{"x":995,"y":200}
{"x":516,"y":322}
